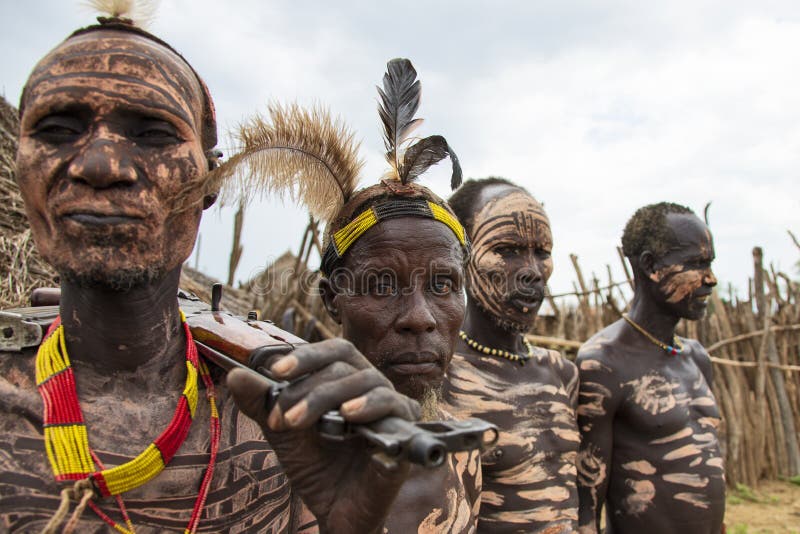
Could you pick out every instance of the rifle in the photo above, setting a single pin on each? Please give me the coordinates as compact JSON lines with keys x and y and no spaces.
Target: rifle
{"x":229,"y":341}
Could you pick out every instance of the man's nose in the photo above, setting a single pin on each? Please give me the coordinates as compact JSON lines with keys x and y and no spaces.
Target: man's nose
{"x":415,"y":314}
{"x":709,"y":279}
{"x":104,"y":162}
{"x":531,"y":273}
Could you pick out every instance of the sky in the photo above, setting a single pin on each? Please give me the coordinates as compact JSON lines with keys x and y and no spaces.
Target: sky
{"x":597,"y":108}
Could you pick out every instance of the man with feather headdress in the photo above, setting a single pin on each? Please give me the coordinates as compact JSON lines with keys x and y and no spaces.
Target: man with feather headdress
{"x":393,"y":266}
{"x":116,"y":141}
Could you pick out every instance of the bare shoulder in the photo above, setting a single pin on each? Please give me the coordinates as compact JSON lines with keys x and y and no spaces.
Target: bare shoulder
{"x":698,"y":353}
{"x":563,"y":368}
{"x":601,"y":351}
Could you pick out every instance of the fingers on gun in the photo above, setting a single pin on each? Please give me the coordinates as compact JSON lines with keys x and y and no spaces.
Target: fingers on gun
{"x":313,"y":357}
{"x":378,"y":403}
{"x":249,"y":391}
{"x":305,"y":401}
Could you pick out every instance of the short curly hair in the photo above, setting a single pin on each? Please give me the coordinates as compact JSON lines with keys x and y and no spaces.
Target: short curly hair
{"x":648,"y":230}
{"x":463,"y":200}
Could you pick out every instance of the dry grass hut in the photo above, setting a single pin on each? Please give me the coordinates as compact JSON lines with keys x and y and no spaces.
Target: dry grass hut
{"x":21,"y":268}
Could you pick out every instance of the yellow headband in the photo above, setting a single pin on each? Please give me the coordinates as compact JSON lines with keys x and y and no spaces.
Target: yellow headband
{"x":352,"y":231}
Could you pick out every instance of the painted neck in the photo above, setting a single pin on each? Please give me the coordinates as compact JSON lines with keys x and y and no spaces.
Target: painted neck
{"x":121,"y":331}
{"x":483,"y":328}
{"x":649,"y":314}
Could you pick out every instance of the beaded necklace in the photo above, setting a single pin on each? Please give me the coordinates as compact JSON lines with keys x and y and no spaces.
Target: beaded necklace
{"x":672,"y":350}
{"x":66,"y":439}
{"x":519,"y":358}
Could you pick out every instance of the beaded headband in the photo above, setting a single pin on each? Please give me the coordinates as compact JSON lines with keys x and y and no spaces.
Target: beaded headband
{"x":344,"y":238}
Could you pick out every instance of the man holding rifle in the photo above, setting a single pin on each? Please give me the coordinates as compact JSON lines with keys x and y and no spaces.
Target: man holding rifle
{"x":115,"y":412}
{"x":392,"y":265}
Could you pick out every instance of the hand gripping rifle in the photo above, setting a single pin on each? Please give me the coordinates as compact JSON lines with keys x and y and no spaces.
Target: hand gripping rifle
{"x":229,"y":341}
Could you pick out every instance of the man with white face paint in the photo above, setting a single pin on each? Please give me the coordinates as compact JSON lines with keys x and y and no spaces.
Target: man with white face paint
{"x":530,"y":393}
{"x":647,"y":415}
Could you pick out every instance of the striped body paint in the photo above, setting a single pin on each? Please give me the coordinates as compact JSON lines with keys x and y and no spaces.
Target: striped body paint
{"x":650,"y":449}
{"x":439,"y":501}
{"x":249,"y":491}
{"x":529,"y":476}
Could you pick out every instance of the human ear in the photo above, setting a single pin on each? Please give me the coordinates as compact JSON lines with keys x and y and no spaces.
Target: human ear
{"x":647,"y":262}
{"x":213,"y":156}
{"x":330,"y":299}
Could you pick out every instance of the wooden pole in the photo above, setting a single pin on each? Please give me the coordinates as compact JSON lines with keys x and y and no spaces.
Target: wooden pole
{"x":761,"y":370}
{"x":786,"y":415}
{"x":237,"y":248}
{"x":794,"y":239}
{"x":625,"y":266}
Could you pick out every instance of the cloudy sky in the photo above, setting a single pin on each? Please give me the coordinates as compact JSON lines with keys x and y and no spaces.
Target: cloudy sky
{"x":596,"y":107}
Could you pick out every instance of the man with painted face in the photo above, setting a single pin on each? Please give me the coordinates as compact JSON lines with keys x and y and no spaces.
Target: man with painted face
{"x":530,"y":393}
{"x":647,"y":415}
{"x":392,"y":266}
{"x":115,"y":412}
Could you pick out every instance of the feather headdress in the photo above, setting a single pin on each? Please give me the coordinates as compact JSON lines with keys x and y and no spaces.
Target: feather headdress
{"x":313,"y":158}
{"x":140,"y":13}
{"x":303,"y":153}
{"x":400,"y":98}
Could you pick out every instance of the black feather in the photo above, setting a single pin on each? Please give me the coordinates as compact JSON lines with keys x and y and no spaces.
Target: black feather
{"x":427,"y":152}
{"x":399,"y":103}
{"x":457,"y":176}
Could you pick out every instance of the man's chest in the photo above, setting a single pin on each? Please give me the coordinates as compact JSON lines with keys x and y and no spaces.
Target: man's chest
{"x":660,"y":404}
{"x":530,"y":406}
{"x":248,"y":492}
{"x":440,"y":500}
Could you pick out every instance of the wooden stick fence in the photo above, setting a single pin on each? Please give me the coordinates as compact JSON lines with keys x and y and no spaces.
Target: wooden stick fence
{"x":753,"y":342}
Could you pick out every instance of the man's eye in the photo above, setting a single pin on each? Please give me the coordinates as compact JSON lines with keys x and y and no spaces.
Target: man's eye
{"x":58,"y":128}
{"x":157,"y":132}
{"x":543,"y":253}
{"x":443,"y":286}
{"x":509,"y":250}
{"x":383,"y":289}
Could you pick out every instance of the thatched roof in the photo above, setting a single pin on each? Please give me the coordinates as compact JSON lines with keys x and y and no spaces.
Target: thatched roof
{"x":21,"y":267}
{"x":234,"y":300}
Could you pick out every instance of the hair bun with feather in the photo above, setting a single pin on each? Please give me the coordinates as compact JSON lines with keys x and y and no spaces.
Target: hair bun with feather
{"x":399,"y":101}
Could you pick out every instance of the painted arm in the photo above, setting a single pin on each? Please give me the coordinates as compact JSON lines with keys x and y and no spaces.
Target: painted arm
{"x":598,"y":397}
{"x":573,"y":385}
